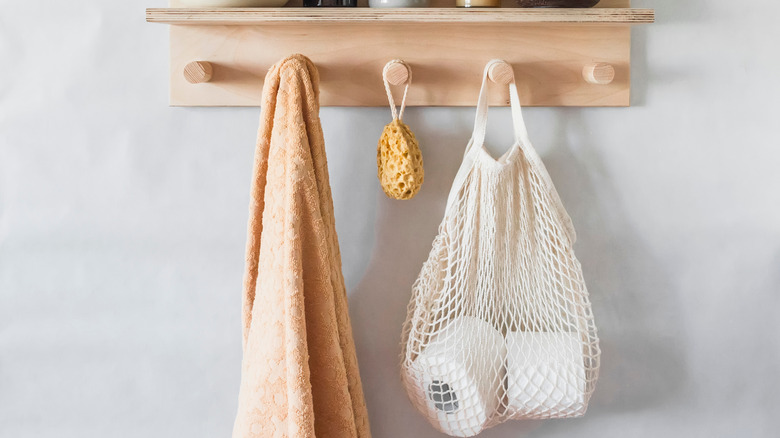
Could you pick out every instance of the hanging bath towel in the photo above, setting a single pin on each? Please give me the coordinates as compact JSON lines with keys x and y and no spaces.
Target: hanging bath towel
{"x":500,"y":324}
{"x":299,"y":374}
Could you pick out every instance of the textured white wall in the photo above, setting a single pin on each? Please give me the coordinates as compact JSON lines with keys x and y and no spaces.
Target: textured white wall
{"x":122,"y":228}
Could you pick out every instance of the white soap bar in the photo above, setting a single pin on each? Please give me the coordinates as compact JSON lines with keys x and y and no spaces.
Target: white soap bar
{"x":545,"y":375}
{"x":459,"y":375}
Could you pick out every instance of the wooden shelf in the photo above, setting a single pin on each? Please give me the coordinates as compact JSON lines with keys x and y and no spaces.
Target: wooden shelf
{"x":260,"y":16}
{"x":219,"y":57}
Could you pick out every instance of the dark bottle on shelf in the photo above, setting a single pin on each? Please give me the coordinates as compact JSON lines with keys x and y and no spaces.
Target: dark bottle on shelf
{"x":330,"y":3}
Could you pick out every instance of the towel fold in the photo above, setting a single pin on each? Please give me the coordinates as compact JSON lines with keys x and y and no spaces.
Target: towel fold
{"x":300,"y":375}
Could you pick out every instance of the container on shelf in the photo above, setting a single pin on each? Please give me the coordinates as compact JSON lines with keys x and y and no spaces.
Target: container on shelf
{"x":330,"y":3}
{"x":233,"y":3}
{"x":399,"y":3}
{"x":556,"y":3}
{"x":478,"y":3}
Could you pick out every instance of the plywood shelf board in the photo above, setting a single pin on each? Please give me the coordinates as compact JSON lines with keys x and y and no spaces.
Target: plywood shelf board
{"x":257,"y":16}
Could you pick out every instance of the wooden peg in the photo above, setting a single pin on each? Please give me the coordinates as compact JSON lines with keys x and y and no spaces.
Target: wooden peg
{"x":396,"y":72}
{"x":501,"y":73}
{"x":198,"y":72}
{"x":599,"y":73}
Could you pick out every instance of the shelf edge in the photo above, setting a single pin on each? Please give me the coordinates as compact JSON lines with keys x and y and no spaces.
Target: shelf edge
{"x":260,"y":16}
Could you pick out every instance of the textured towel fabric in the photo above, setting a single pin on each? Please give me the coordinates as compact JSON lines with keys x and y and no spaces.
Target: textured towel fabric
{"x":300,"y":375}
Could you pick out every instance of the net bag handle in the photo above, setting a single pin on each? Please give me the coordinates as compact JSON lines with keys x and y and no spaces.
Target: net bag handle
{"x":521,"y":139}
{"x":480,"y":120}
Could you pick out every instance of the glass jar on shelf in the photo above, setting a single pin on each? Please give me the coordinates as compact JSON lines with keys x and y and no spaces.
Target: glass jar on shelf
{"x":399,"y":3}
{"x":330,"y":3}
{"x":478,"y":3}
{"x":556,"y":3}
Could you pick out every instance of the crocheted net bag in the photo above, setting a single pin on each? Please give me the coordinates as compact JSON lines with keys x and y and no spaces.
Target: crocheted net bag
{"x":500,"y":325}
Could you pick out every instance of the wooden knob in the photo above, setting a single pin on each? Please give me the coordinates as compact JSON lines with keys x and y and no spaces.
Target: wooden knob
{"x":599,"y":73}
{"x":396,"y":72}
{"x":501,"y":73}
{"x":198,"y":72}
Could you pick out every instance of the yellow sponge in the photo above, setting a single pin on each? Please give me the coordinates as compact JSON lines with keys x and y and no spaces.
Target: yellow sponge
{"x":399,"y":161}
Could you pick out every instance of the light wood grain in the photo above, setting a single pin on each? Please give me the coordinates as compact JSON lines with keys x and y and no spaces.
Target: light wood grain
{"x":396,"y":72}
{"x":599,"y":73}
{"x":266,"y":16}
{"x":501,"y":73}
{"x":446,"y":61}
{"x":446,"y":58}
{"x":198,"y":72}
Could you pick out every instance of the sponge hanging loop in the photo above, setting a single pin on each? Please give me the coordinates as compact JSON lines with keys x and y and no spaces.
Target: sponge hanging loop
{"x":399,"y":159}
{"x":392,"y":73}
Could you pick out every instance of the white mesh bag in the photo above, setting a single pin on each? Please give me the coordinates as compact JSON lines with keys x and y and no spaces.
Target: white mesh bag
{"x":500,"y":325}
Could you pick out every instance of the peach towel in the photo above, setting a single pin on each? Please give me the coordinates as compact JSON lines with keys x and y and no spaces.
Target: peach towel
{"x":300,"y":374}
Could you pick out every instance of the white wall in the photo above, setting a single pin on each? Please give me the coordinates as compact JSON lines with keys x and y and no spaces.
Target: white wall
{"x":122,"y":228}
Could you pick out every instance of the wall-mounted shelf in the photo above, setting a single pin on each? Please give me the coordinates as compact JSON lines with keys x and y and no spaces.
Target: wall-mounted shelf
{"x":561,"y":57}
{"x":264,"y":16}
